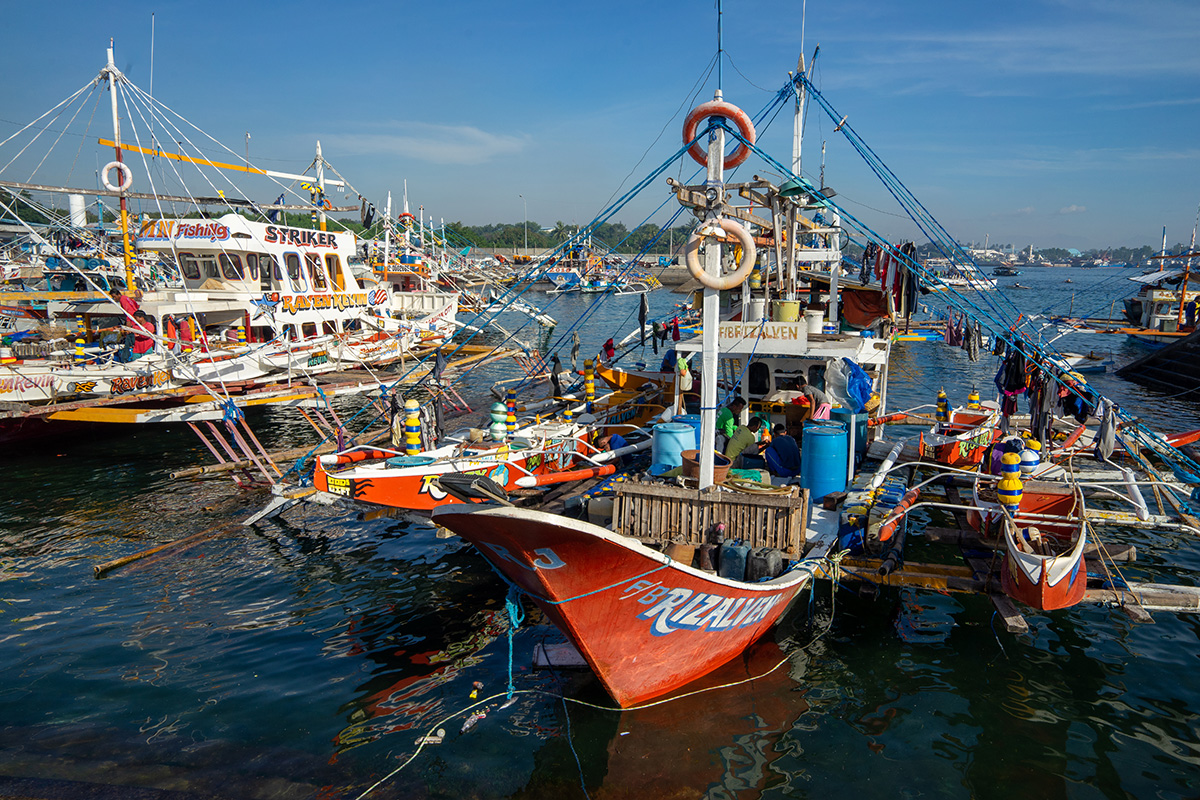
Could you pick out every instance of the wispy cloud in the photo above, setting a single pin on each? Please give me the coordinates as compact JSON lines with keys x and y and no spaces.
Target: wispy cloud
{"x":431,"y":142}
{"x":1072,"y":209}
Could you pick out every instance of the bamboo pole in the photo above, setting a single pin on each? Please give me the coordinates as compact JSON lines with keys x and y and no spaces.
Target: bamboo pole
{"x":103,"y":569}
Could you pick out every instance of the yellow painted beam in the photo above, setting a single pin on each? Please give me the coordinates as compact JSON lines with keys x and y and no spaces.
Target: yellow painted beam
{"x":177,"y":157}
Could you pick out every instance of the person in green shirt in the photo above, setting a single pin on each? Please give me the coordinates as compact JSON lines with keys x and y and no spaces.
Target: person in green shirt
{"x":728,"y":417}
{"x":743,"y":441}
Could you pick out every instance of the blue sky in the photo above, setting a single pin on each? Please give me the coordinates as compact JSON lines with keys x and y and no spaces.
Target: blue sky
{"x":1053,"y":123}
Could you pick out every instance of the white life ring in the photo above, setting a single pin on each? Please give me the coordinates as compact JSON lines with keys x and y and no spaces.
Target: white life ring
{"x":126,"y":176}
{"x":691,"y":253}
{"x":718,"y":108}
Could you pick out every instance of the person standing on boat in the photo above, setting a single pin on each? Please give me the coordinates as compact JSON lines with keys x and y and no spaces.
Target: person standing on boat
{"x":727,"y":421}
{"x":1189,"y":312}
{"x":815,"y":396}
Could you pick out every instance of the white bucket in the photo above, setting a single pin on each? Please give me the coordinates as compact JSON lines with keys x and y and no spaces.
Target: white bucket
{"x":757,"y":309}
{"x":813,"y":320}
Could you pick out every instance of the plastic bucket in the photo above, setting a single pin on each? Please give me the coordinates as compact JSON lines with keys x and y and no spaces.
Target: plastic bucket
{"x":823,"y":458}
{"x":814,"y":320}
{"x":757,"y":309}
{"x":786,"y":310}
{"x":829,"y":328}
{"x":669,"y":442}
{"x":694,"y":421}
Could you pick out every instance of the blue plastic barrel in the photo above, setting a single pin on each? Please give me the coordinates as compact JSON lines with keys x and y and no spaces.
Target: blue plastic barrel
{"x":410,"y":259}
{"x":669,"y":442}
{"x":732,"y":560}
{"x":859,"y":421}
{"x":694,"y":421}
{"x":823,"y":458}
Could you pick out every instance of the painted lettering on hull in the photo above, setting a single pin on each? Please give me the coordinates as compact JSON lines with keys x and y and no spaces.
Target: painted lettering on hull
{"x":671,"y":609}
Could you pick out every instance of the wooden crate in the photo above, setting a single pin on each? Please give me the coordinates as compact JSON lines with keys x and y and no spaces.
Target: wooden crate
{"x":673,"y":512}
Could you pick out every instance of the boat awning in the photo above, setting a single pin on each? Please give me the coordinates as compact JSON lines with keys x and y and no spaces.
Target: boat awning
{"x":1155,"y":277}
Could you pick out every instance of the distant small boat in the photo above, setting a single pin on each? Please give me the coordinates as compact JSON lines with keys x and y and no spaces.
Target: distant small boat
{"x":1006,"y":272}
{"x":1068,"y":280}
{"x":1018,"y":286}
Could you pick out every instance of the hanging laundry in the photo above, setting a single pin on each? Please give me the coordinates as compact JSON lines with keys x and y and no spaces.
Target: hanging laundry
{"x":575,"y":351}
{"x":1106,"y":437}
{"x":675,"y":329}
{"x":655,"y":332}
{"x":643,"y":311}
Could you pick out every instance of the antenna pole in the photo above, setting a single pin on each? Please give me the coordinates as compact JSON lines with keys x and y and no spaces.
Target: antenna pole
{"x":720,"y":71}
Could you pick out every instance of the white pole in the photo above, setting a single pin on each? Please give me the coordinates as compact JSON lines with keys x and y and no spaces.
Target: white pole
{"x":387,"y":234}
{"x":320,"y":185}
{"x":710,"y":318}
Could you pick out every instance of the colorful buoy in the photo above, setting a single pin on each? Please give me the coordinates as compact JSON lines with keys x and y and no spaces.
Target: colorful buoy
{"x":498,"y":428}
{"x":973,"y":400}
{"x":510,"y":418}
{"x":1009,"y":492}
{"x":412,"y":427}
{"x":943,"y":406}
{"x":1010,"y":465}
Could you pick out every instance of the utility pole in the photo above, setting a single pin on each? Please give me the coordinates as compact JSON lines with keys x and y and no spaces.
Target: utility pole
{"x":526,"y":205}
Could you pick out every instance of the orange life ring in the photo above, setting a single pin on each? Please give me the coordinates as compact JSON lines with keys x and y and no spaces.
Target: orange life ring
{"x":691,"y":254}
{"x":719,"y":108}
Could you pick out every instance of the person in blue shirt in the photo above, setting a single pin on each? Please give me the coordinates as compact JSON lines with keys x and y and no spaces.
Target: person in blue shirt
{"x":785,"y":451}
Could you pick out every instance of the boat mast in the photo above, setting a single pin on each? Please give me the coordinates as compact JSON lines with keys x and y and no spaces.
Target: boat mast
{"x":114,"y":75}
{"x":387,"y":233}
{"x":321,"y":186}
{"x":1187,"y":267}
{"x":710,"y":313}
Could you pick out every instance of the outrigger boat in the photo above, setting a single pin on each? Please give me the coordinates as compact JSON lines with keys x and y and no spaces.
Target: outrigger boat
{"x":1043,"y":543}
{"x":963,"y":438}
{"x":646,"y":623}
{"x":391,"y":478}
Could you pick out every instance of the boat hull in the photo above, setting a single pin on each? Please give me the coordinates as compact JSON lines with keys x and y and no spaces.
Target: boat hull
{"x":1051,"y":572}
{"x":646,"y":625}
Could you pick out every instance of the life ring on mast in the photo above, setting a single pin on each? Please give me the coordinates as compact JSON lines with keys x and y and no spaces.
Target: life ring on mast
{"x":403,"y":216}
{"x":718,"y":108}
{"x":691,"y":253}
{"x":126,"y":176}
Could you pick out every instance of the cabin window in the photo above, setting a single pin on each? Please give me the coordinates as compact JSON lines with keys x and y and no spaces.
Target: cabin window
{"x":316,"y":271}
{"x":189,"y":266}
{"x":209,"y":265}
{"x":231,"y":266}
{"x":309,"y":329}
{"x":328,"y":327}
{"x":252,"y":265}
{"x":289,"y":332}
{"x":758,"y":380}
{"x":267,"y":266}
{"x":295,"y":275}
{"x":352,"y":325}
{"x":816,"y":377}
{"x":333,"y":264}
{"x":261,"y":333}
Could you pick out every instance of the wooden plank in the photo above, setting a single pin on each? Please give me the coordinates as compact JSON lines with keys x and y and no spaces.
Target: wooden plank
{"x":1014,"y":621}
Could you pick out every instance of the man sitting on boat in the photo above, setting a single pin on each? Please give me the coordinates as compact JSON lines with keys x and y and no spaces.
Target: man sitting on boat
{"x":744,"y":442}
{"x":727,"y":421}
{"x":142,"y":343}
{"x":782,"y":454}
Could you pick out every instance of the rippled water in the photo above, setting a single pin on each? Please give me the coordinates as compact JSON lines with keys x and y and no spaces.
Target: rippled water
{"x":303,"y":657}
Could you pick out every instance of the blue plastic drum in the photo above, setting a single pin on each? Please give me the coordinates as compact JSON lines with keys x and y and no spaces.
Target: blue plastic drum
{"x":669,"y":442}
{"x":694,"y":421}
{"x":824,"y":458}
